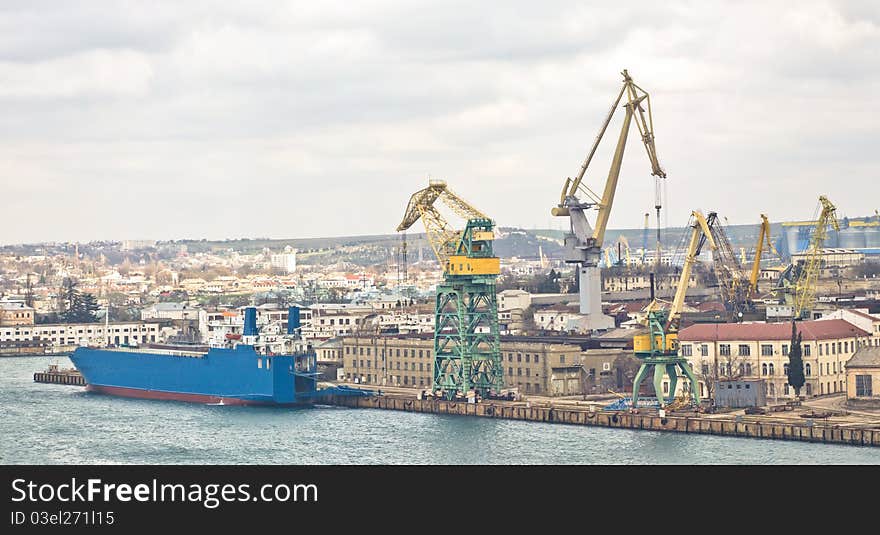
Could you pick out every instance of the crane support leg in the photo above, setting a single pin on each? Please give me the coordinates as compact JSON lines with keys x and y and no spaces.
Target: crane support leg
{"x":590,"y":286}
{"x":637,"y":383}
{"x":673,"y":382}
{"x":659,"y":372}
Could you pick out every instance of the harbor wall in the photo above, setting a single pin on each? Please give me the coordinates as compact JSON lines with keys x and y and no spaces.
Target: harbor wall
{"x":803,"y":431}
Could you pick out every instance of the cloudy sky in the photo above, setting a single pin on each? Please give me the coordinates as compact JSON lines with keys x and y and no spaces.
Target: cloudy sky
{"x":168,"y":120}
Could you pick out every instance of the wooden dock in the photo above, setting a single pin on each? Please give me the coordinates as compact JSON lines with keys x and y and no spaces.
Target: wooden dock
{"x":748,"y":427}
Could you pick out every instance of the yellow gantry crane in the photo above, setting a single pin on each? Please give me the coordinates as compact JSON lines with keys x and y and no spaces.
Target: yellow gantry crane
{"x":658,"y":349}
{"x":467,"y":349}
{"x":583,"y":244}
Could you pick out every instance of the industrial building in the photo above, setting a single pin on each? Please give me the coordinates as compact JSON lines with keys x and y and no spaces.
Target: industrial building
{"x":533,"y":365}
{"x":863,"y":378}
{"x":857,"y":235}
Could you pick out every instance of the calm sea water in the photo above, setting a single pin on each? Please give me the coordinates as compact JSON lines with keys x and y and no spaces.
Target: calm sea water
{"x":54,"y":424}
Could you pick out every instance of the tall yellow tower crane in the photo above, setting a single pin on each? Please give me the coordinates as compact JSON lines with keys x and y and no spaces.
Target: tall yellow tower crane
{"x":467,"y":349}
{"x":583,"y":244}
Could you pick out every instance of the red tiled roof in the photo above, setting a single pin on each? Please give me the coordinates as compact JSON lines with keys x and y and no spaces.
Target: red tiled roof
{"x":811,"y":330}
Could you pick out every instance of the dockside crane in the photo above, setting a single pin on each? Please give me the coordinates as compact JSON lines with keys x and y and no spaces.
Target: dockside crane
{"x":658,"y":348}
{"x":763,"y":242}
{"x":732,"y":277}
{"x":467,"y":349}
{"x":583,"y":244}
{"x":797,"y":284}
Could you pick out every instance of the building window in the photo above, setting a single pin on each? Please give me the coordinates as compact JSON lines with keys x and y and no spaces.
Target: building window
{"x":785,"y":370}
{"x":519,"y":357}
{"x":724,"y":350}
{"x":519,"y":371}
{"x":770,"y":368}
{"x":527,"y":357}
{"x":786,"y":389}
{"x":686,"y":350}
{"x":562,"y":359}
{"x":744,"y":350}
{"x":807,"y":350}
{"x":766,"y":350}
{"x":704,"y":350}
{"x":764,"y":368}
{"x":784,"y":350}
{"x":705,"y":369}
{"x":863,"y":386}
{"x":509,"y":371}
{"x":536,"y":361}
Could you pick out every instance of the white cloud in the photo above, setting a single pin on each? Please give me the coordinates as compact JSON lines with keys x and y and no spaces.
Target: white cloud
{"x":95,"y":73}
{"x":306,"y":118}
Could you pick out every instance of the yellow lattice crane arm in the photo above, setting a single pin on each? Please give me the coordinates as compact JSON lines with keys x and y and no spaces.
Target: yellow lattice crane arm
{"x":805,"y":288}
{"x":763,"y":240}
{"x":443,"y":238}
{"x":700,"y":228}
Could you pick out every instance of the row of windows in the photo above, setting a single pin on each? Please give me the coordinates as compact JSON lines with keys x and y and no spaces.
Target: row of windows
{"x":519,"y":357}
{"x":743,"y":350}
{"x":519,"y":371}
{"x":368,"y":351}
{"x":840,"y":347}
{"x":407,"y":366}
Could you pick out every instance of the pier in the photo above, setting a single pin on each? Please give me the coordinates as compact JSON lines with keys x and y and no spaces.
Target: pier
{"x":738,"y":426}
{"x":56,"y":376}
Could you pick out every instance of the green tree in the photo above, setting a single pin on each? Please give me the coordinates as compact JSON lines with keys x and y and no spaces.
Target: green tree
{"x":83,"y":309}
{"x":795,"y":362}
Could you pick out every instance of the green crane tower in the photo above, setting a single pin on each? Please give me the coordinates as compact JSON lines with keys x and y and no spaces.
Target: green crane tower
{"x":467,"y":353}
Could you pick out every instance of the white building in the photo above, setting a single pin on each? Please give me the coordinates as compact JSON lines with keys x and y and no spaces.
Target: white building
{"x":285,"y":261}
{"x":64,"y":337}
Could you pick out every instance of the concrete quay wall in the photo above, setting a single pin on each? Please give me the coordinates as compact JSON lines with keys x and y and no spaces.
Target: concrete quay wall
{"x":817,"y":432}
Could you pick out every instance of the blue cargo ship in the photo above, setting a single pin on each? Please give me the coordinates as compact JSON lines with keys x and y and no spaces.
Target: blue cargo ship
{"x":249,"y":370}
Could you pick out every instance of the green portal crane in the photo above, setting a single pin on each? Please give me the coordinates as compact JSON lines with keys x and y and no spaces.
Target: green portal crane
{"x":658,"y":349}
{"x":467,"y":348}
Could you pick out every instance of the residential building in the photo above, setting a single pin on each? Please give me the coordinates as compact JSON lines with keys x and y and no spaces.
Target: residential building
{"x":760,"y":351}
{"x":285,"y":261}
{"x":61,"y":336}
{"x":15,"y":313}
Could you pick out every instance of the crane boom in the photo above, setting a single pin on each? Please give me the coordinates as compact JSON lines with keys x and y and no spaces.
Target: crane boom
{"x":805,"y":287}
{"x":443,"y":239}
{"x":645,"y":124}
{"x":763,"y":238}
{"x":700,"y":234}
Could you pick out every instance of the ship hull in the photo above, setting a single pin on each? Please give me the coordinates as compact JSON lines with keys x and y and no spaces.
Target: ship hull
{"x":238,"y":376}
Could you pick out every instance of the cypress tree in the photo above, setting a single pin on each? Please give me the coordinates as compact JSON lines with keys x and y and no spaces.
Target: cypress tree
{"x":795,"y":362}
